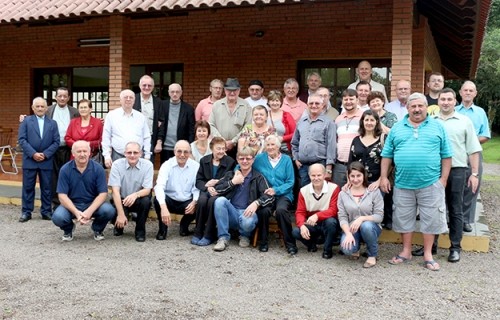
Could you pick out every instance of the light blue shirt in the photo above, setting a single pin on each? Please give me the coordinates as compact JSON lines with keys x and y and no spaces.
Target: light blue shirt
{"x":397,"y":108}
{"x":178,"y":183}
{"x":41,"y":121}
{"x":131,"y":179}
{"x":478,"y":117}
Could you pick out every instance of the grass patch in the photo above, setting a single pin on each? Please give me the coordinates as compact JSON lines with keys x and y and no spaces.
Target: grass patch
{"x":491,"y":150}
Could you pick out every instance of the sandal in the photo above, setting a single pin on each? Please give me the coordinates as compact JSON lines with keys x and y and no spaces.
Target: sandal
{"x":369,"y":264}
{"x":354,"y":256}
{"x":397,"y":259}
{"x":432,"y":265}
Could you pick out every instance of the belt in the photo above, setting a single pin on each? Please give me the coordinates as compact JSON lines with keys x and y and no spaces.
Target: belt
{"x":341,"y":162}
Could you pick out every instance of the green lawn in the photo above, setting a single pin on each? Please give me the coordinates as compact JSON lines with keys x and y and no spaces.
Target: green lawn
{"x":491,"y":150}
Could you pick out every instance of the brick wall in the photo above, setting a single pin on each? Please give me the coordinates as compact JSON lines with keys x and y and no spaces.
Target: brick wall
{"x":214,"y":43}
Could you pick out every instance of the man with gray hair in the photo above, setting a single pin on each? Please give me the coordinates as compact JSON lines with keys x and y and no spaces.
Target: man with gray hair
{"x":314,"y":140}
{"x":176,"y":191}
{"x":122,"y":125}
{"x":421,"y":151}
{"x":131,"y":181}
{"x":204,"y":107}
{"x":151,"y":107}
{"x":313,"y":84}
{"x":178,"y":124}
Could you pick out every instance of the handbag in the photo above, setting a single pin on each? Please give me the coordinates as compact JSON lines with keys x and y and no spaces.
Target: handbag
{"x":99,"y":158}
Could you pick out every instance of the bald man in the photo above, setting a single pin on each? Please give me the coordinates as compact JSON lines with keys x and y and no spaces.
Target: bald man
{"x":178,"y":124}
{"x":123,"y":125}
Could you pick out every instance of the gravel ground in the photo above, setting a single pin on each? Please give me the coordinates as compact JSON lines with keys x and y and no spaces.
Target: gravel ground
{"x":118,"y":278}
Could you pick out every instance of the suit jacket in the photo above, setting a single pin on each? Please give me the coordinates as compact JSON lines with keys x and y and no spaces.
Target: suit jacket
{"x":185,"y":125}
{"x":73,"y":112}
{"x":158,"y":116}
{"x":31,"y":142}
{"x":93,"y":134}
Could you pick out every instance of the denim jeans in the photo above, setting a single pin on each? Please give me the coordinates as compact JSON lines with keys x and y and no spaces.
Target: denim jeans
{"x":369,"y":233}
{"x":228,"y":217}
{"x":63,"y":218}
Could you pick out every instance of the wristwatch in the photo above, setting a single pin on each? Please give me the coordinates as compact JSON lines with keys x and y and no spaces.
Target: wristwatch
{"x":329,"y":171}
{"x":475,"y":174}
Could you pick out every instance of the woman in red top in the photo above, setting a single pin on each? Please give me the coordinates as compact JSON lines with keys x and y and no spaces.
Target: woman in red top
{"x":282,"y":121}
{"x":86,"y":127}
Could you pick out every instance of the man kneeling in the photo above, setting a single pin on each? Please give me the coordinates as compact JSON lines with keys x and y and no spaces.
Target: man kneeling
{"x":82,"y":191}
{"x":316,"y":213}
{"x":242,"y":195}
{"x":131,"y":181}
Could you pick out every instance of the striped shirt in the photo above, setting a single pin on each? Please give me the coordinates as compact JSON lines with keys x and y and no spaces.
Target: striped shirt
{"x":417,"y":152}
{"x":347,"y":130}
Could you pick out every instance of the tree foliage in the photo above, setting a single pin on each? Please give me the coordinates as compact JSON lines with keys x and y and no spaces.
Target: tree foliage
{"x":488,"y":73}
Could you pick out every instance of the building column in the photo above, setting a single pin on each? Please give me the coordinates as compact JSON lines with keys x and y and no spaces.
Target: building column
{"x":119,"y":66}
{"x":402,"y":29}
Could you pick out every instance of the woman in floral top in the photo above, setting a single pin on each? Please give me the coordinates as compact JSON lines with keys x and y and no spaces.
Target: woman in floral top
{"x":366,"y":147}
{"x":254,"y":135}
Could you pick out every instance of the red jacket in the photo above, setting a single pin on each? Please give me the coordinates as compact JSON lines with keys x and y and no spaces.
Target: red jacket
{"x":93,"y":134}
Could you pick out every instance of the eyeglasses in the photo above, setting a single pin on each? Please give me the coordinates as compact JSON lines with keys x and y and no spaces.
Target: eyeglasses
{"x":182,"y":151}
{"x":130,"y":153}
{"x":245,"y":159}
{"x":147,"y":85}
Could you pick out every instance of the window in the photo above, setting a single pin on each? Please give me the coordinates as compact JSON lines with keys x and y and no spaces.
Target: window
{"x":163,"y":75}
{"x":337,"y":75}
{"x":89,"y":82}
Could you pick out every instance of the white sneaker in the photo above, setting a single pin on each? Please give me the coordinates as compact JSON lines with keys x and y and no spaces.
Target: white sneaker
{"x":69,"y":236}
{"x":244,"y":242}
{"x":98,"y":236}
{"x":221,"y":245}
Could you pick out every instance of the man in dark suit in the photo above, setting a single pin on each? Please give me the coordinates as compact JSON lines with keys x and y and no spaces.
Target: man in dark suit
{"x":178,"y":124}
{"x":62,"y":113}
{"x":151,"y":107}
{"x":39,"y":138}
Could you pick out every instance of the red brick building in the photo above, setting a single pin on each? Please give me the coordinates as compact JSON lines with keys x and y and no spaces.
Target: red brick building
{"x":97,"y":48}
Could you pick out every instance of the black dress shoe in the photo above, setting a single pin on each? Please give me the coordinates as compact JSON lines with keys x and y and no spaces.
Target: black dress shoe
{"x":312,"y":248}
{"x":24,"y":218}
{"x":292,"y":251}
{"x":467,"y":227}
{"x":47,"y":217}
{"x":117,"y":231}
{"x":161,"y":235}
{"x":184,"y":232}
{"x":388,"y":226}
{"x":420,"y":251}
{"x":327,"y":254}
{"x":454,"y":256}
{"x":263,"y":247}
{"x":141,"y":238}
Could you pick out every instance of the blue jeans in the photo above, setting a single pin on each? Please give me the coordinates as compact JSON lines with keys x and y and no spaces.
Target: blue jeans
{"x":63,"y":218}
{"x":369,"y":233}
{"x":228,"y":217}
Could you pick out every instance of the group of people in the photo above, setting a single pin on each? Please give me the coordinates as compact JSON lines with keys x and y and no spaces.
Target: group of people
{"x":232,"y":163}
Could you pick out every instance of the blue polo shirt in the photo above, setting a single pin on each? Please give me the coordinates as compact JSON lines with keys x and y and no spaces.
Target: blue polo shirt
{"x":82,"y":188}
{"x":478,"y":117}
{"x":417,"y":152}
